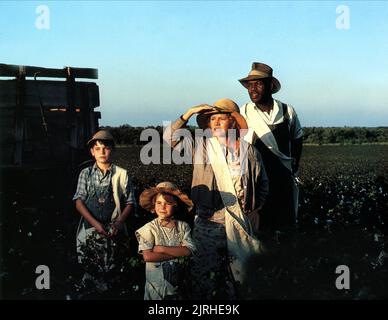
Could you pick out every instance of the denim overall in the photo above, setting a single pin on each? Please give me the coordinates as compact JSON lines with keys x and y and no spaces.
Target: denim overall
{"x":100,"y":203}
{"x":278,"y":211}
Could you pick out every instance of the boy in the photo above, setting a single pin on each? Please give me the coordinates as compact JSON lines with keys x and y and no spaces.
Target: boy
{"x":104,"y":198}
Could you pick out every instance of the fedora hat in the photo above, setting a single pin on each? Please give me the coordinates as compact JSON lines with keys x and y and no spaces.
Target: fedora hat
{"x":222,"y":106}
{"x":261,"y":71}
{"x":104,"y":135}
{"x":147,"y":195}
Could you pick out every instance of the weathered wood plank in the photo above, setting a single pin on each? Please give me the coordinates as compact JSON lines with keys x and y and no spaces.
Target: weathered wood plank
{"x":10,"y":70}
{"x":7,"y":92}
{"x":19,"y":122}
{"x":23,"y":139}
{"x":53,"y":93}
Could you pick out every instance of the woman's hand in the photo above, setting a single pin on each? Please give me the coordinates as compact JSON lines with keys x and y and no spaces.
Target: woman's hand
{"x":197,"y":109}
{"x":240,"y":120}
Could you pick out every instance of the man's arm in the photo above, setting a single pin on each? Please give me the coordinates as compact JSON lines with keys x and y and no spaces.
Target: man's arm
{"x":296,"y":140}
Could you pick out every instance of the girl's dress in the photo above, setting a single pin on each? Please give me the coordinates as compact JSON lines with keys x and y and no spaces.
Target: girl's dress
{"x":165,"y":279}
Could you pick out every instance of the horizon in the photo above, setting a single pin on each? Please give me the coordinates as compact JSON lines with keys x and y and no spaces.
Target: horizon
{"x":196,"y":127}
{"x":157,"y":59}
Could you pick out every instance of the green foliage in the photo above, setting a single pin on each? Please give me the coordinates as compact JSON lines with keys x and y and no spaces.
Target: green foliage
{"x":107,"y":264}
{"x":345,"y":135}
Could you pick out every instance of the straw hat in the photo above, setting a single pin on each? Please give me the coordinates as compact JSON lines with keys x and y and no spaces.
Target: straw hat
{"x":166,"y":187}
{"x":222,"y":106}
{"x":104,"y":135}
{"x":261,"y":71}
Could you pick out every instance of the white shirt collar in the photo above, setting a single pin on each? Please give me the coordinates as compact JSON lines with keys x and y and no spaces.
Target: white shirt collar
{"x":273,"y":115}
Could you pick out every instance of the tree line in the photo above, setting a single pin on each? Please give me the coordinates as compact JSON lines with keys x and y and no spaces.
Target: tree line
{"x":129,"y":135}
{"x":345,"y":135}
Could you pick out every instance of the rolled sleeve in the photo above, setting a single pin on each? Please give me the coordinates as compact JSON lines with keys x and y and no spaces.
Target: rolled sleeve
{"x":296,"y":128}
{"x":177,"y":135}
{"x":187,"y":240}
{"x":145,"y":238}
{"x":129,"y":193}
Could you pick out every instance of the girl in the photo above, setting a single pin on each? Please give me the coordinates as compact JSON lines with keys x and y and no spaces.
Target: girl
{"x":163,"y":240}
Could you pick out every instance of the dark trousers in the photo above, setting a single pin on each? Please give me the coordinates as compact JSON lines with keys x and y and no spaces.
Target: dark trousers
{"x":278,"y":212}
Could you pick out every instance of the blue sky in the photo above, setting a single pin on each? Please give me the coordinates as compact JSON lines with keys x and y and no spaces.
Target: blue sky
{"x":156,"y":59}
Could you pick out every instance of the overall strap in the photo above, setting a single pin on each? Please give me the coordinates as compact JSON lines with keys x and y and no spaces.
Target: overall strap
{"x":264,"y":133}
{"x":242,"y":245}
{"x":286,"y":116}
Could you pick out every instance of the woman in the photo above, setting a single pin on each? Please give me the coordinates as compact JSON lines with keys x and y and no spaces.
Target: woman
{"x":229,"y":184}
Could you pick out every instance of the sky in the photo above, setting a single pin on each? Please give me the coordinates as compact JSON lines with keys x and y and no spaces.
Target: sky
{"x":156,"y":59}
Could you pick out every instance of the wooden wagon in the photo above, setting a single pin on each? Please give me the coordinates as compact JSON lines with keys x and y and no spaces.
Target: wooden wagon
{"x":46,"y":115}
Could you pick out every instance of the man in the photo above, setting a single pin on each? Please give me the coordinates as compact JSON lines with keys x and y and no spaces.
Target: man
{"x":278,"y":136}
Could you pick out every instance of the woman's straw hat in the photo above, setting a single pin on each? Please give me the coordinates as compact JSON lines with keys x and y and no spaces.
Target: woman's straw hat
{"x":222,"y":106}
